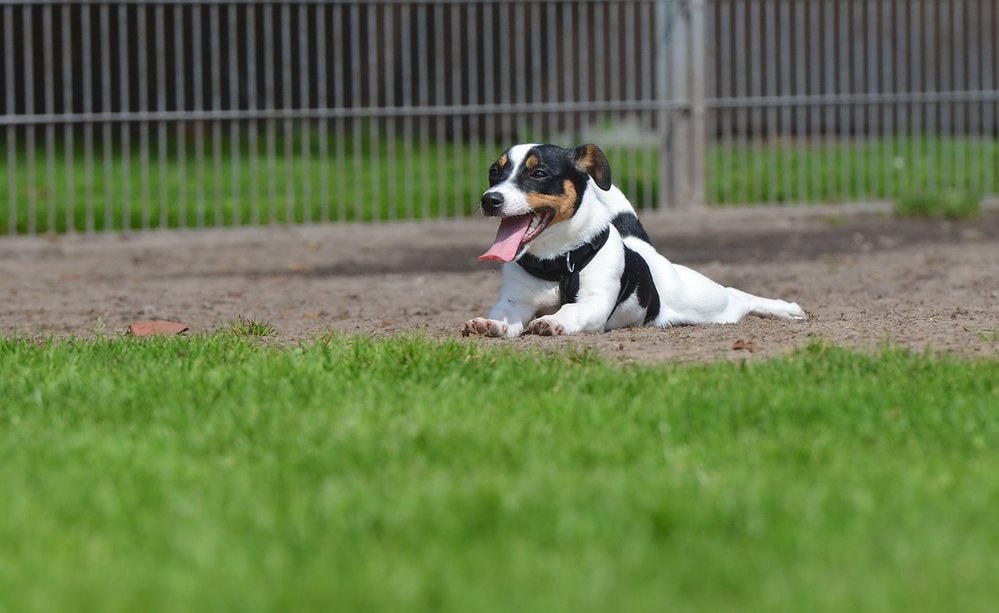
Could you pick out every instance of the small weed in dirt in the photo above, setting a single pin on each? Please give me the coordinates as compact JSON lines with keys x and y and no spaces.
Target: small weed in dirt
{"x":946,"y":204}
{"x":249,"y":327}
{"x":990,"y":336}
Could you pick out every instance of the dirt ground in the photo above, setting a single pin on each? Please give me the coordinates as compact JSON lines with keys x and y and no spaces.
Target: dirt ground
{"x":864,"y":279}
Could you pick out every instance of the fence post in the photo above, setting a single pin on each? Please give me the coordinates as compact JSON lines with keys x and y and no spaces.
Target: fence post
{"x":680,"y":50}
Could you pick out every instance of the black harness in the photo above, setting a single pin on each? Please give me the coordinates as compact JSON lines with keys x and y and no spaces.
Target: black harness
{"x":565,"y":269}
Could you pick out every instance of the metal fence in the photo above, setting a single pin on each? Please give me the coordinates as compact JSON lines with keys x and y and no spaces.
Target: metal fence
{"x":137,"y":115}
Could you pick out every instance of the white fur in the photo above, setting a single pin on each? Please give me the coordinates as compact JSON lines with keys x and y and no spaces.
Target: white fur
{"x":529,"y":304}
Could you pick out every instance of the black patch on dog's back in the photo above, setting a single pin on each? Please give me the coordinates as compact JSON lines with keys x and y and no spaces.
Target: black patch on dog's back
{"x":627,"y":224}
{"x":637,"y":278}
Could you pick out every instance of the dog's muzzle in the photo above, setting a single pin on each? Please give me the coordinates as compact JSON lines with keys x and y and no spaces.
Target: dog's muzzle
{"x":492,"y":202}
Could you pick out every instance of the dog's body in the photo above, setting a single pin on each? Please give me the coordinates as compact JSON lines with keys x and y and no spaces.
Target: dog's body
{"x":578,"y":259}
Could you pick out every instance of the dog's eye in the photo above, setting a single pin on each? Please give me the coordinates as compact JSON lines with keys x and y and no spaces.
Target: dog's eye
{"x":539,"y":173}
{"x":494,"y":173}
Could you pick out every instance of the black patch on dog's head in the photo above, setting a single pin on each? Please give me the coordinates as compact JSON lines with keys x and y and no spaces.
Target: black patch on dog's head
{"x":500,"y":169}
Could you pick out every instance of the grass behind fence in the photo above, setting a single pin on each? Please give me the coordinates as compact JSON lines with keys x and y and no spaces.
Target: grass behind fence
{"x":222,"y":473}
{"x":60,"y":190}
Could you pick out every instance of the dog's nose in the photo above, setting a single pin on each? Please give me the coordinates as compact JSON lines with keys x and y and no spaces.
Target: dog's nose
{"x":491,"y":202}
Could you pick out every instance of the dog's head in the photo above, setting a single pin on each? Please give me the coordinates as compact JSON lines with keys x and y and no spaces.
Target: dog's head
{"x":533,"y":187}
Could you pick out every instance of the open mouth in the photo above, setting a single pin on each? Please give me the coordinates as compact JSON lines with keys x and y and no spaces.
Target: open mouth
{"x":515,"y":233}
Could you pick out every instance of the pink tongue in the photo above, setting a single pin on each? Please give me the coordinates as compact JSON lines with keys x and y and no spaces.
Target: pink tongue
{"x":511,"y":232}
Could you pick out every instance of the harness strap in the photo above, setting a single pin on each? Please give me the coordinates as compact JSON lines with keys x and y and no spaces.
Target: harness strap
{"x":565,"y":269}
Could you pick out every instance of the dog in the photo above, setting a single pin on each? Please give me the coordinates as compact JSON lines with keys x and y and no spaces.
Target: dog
{"x":577,"y":259}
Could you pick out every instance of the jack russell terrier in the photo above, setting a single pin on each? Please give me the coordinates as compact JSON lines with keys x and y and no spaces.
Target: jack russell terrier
{"x":578,"y":260}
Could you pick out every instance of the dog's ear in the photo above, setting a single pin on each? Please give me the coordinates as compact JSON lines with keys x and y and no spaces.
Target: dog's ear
{"x":591,"y":160}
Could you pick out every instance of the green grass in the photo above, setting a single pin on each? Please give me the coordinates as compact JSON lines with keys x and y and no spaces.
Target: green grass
{"x":950,"y":204}
{"x":217,"y":473}
{"x":244,"y":326}
{"x":842,"y":171}
{"x":59,"y":190}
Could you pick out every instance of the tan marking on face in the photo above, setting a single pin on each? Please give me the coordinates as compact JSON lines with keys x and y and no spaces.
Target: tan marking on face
{"x":531,"y":162}
{"x":503,"y":161}
{"x":563,"y":204}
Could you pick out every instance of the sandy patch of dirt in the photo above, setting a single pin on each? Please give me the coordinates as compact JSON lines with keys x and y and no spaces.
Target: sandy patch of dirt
{"x":863,"y":280}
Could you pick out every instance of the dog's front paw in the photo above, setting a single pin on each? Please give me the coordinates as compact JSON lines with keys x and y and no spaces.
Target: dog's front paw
{"x":545,"y":326}
{"x":484,"y":327}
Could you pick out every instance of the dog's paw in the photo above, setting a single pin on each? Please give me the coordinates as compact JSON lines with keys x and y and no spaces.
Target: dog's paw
{"x":543,"y":326}
{"x":795,"y":313}
{"x":484,"y":327}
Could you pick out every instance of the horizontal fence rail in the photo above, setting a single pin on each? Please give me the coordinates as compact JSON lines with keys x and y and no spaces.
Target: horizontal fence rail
{"x":119,"y":116}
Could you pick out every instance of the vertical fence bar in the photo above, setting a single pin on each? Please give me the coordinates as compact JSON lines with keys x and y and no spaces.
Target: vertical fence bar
{"x":180,"y":104}
{"x":646,"y":198}
{"x":960,"y":34}
{"x":252,"y":136}
{"x":356,"y":101}
{"x":162,"y":156}
{"x":775,"y":150}
{"x":198,"y":93}
{"x":831,"y":136}
{"x":304,"y":78}
{"x":142,"y":59}
{"x":757,"y":162}
{"x":535,"y":52}
{"x":29,"y":107}
{"x":235,"y":154}
{"x":321,"y":101}
{"x":505,"y":68}
{"x":124,"y":127}
{"x":630,"y":91}
{"x":460,"y":172}
{"x":440,"y":98}
{"x":339,"y":100}
{"x":215,"y":77}
{"x":698,"y":106}
{"x":48,"y":93}
{"x":423,"y":78}
{"x":287,"y":125}
{"x":969,"y":149}
{"x":929,"y":61}
{"x":11,"y":109}
{"x":945,"y":63}
{"x":883,"y":80}
{"x":377,"y":211}
{"x":802,"y":132}
{"x":916,"y":82}
{"x":69,"y":172}
{"x":475,"y":121}
{"x":270,"y":129}
{"x":862,"y":120}
{"x":391,"y":160}
{"x":725,"y":160}
{"x":106,"y":134}
{"x":551,"y":35}
{"x":989,"y":20}
{"x":869,"y":149}
{"x":815,"y":145}
{"x":785,"y":131}
{"x":88,"y":127}
{"x":843,"y":127}
{"x":406,"y":23}
{"x":743,"y":128}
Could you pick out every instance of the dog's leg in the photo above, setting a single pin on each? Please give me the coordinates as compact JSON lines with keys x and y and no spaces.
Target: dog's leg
{"x":521,"y":297}
{"x":770,"y":308}
{"x":588,"y":314}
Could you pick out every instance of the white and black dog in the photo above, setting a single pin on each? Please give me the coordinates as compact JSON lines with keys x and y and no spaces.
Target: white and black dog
{"x":577,"y":258}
